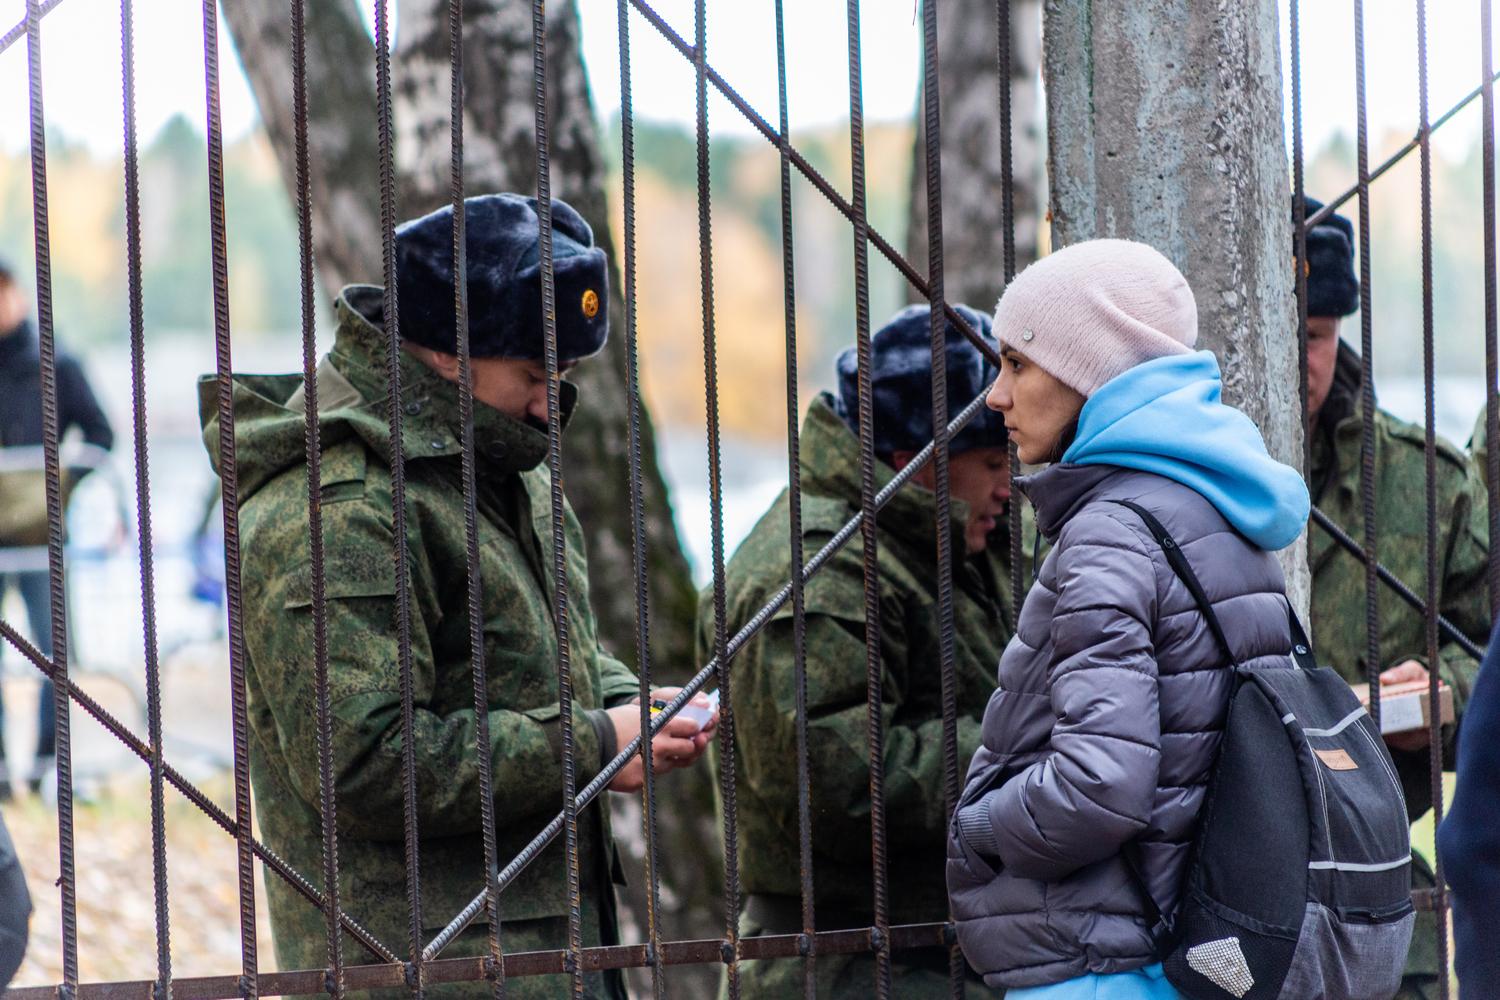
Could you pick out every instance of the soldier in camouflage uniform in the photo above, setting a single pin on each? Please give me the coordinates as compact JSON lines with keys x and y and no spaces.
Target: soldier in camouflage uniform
{"x":764,"y":690}
{"x":1338,"y":578}
{"x":520,"y":645}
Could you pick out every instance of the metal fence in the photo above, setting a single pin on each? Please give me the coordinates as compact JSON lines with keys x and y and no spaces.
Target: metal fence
{"x":418,"y":963}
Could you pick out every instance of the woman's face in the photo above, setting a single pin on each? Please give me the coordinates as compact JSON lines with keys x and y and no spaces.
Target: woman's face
{"x":1037,"y":407}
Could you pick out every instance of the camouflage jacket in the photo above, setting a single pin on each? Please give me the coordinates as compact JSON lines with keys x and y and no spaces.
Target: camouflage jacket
{"x":1338,"y":587}
{"x":1477,"y":449}
{"x":764,"y":692}
{"x":363,"y":674}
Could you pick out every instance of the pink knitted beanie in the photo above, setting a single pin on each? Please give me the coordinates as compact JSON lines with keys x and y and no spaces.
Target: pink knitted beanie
{"x":1096,"y":309}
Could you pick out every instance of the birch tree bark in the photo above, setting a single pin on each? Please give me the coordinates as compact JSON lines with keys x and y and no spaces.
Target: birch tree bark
{"x":500,"y":155}
{"x":973,"y":223}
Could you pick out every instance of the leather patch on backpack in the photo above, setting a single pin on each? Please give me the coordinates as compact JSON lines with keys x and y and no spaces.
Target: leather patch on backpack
{"x":1337,"y":760}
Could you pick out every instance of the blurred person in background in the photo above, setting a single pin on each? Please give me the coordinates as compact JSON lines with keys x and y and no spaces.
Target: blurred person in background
{"x":1334,"y":383}
{"x":23,"y":507}
{"x":15,"y":909}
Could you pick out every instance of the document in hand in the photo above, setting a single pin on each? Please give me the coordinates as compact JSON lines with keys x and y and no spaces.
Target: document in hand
{"x":1404,"y":707}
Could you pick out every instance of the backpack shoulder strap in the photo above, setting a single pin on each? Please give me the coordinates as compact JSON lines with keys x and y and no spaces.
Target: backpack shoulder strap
{"x":1302,"y":654}
{"x":1184,"y":572}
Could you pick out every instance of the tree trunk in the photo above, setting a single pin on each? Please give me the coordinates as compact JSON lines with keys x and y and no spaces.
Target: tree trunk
{"x":1173,"y":136}
{"x":973,"y":223}
{"x":500,"y":155}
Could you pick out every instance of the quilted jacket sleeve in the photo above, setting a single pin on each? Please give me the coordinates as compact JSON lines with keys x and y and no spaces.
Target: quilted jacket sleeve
{"x":1093,"y":792}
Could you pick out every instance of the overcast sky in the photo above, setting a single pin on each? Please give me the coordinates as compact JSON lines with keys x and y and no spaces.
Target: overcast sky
{"x":82,"y":52}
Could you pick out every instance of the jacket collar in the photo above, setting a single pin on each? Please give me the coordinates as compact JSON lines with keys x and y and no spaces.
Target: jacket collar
{"x":1059,"y":491}
{"x":830,"y":467}
{"x":1338,"y":417}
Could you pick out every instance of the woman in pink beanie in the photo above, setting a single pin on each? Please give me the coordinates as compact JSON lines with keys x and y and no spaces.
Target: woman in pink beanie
{"x":1067,"y":852}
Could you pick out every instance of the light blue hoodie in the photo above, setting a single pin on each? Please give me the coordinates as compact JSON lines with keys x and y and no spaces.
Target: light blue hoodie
{"x":1165,"y":416}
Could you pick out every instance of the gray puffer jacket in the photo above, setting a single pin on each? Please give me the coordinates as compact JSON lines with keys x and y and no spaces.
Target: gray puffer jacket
{"x":1103,"y":729}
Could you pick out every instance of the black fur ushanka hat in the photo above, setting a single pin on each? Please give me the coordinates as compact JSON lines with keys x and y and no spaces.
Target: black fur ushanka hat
{"x":901,"y":383}
{"x":1332,"y":288}
{"x":502,"y":238}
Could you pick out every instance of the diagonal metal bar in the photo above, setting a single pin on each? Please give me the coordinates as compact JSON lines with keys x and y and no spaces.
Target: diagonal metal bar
{"x":191,"y":792}
{"x":18,"y":32}
{"x":1397,"y":586}
{"x":1321,"y":215}
{"x":807,"y":170}
{"x":709,"y":671}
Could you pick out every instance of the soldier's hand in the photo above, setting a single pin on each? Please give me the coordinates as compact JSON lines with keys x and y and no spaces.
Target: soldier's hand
{"x":1402,"y":673}
{"x":705,"y":735}
{"x":675,"y":746}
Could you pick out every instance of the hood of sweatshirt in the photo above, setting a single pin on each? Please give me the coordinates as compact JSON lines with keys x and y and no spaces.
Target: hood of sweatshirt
{"x":1166,"y":417}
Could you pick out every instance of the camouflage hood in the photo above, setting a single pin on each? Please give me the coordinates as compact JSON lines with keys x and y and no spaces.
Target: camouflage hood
{"x":270,"y":422}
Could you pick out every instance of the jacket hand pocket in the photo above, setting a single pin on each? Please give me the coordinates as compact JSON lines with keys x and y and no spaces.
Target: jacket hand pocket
{"x":961,"y":850}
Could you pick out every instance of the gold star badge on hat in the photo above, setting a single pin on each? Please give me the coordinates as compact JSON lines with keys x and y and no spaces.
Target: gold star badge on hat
{"x":590,"y":304}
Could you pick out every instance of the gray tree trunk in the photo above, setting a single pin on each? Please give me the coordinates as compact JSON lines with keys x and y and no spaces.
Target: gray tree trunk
{"x":973,"y":223}
{"x":1165,"y":126}
{"x":500,"y":155}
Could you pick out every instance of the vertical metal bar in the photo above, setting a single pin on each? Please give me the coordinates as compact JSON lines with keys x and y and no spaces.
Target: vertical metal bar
{"x":1367,"y":380}
{"x":1299,"y":218}
{"x":794,"y":526}
{"x":474,"y":601}
{"x":1491,"y":352}
{"x":229,"y":481}
{"x":554,"y":467}
{"x":716,"y":509}
{"x":53,"y":475}
{"x":1003,"y":45}
{"x":391,"y":316}
{"x":1429,"y":619}
{"x":637,"y":509}
{"x":932,"y":130}
{"x":162,"y":990}
{"x":327,"y":808}
{"x":1007,"y":186}
{"x":868,"y":537}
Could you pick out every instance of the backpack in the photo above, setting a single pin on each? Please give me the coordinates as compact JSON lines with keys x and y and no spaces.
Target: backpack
{"x":1299,"y":885}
